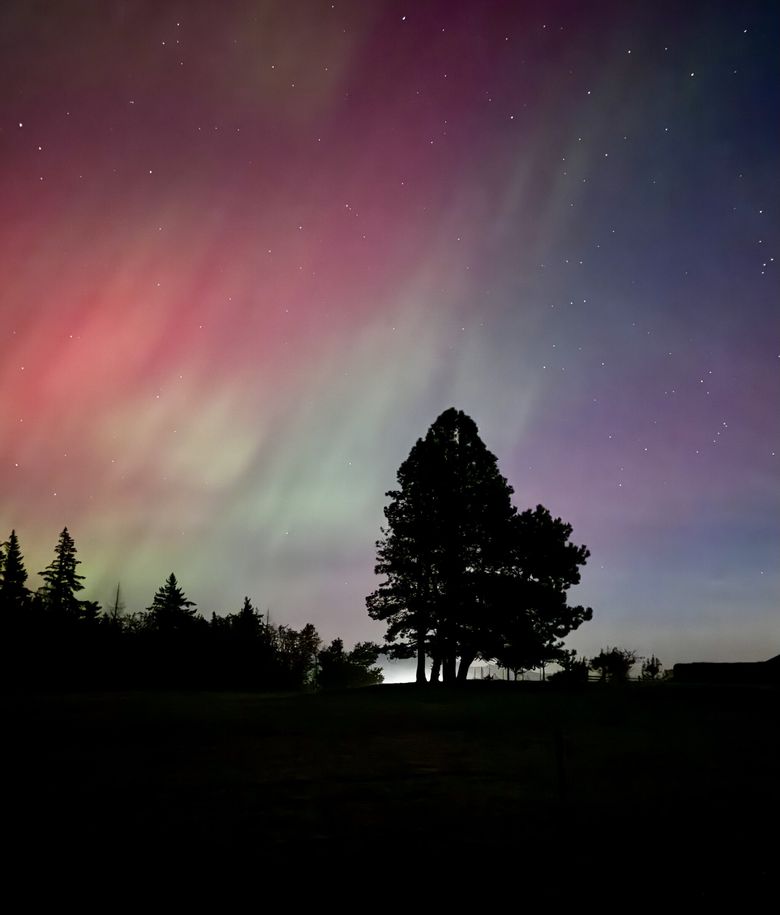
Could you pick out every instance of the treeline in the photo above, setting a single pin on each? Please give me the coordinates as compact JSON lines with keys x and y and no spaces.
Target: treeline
{"x":55,"y":640}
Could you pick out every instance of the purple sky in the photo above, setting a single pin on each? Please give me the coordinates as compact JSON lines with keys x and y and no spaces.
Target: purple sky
{"x":251,"y":250}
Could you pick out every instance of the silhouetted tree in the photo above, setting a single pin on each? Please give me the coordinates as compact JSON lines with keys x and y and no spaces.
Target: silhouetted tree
{"x":245,"y":649}
{"x":171,"y":610}
{"x":465,"y":575}
{"x":248,"y":622}
{"x":651,"y":668}
{"x":116,"y":611}
{"x":62,"y":582}
{"x":297,"y":655}
{"x":339,"y":668}
{"x":55,"y":639}
{"x":531,"y":614}
{"x":446,"y":525}
{"x":13,"y":592}
{"x":614,"y":664}
{"x":573,"y":670}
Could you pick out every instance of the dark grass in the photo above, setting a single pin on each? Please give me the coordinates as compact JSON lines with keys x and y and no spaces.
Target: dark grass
{"x":659,"y":785}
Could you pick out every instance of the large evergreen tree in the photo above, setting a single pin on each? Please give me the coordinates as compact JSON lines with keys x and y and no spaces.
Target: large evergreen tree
{"x":465,"y":575}
{"x":61,"y":581}
{"x":446,"y":527}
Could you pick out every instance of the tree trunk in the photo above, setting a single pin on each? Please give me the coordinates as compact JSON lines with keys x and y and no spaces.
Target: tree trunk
{"x":435,"y":669}
{"x":448,"y":668}
{"x":465,"y":663}
{"x":421,"y":658}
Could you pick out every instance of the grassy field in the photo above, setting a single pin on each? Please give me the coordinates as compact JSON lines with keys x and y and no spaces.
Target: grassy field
{"x":650,"y":785}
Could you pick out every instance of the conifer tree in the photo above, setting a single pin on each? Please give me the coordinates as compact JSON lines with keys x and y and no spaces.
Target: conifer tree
{"x":171,"y":610}
{"x":447,"y":524}
{"x":13,"y":592}
{"x":61,"y":581}
{"x":248,"y":620}
{"x":465,"y":575}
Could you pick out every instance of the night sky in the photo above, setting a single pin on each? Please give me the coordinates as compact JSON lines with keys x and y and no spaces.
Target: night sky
{"x":250,"y":251}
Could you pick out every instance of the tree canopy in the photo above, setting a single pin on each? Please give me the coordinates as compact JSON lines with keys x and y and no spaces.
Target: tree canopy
{"x":466,"y":576}
{"x":339,"y":668}
{"x":55,"y":639}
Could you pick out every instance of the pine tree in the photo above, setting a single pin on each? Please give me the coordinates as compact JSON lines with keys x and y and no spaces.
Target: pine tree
{"x":61,"y":581}
{"x":171,"y":610}
{"x":465,"y":575}
{"x":447,"y":526}
{"x":13,"y":592}
{"x":247,"y":620}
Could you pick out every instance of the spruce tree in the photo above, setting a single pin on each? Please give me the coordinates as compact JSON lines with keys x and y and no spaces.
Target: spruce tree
{"x":61,"y":581}
{"x":13,"y":592}
{"x":248,"y":621}
{"x":171,"y":610}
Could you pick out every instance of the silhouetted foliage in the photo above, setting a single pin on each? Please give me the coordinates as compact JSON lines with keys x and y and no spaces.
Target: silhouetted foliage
{"x":574,"y":670}
{"x":297,"y":654}
{"x":14,"y":595}
{"x":116,"y":611}
{"x":651,"y":668}
{"x":53,"y":639}
{"x":534,"y":617}
{"x":171,"y":610}
{"x":466,"y":576}
{"x":338,"y":668}
{"x":614,"y":664}
{"x":61,"y":582}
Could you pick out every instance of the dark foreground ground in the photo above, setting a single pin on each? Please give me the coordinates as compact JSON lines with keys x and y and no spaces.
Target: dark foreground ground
{"x":660,"y":788}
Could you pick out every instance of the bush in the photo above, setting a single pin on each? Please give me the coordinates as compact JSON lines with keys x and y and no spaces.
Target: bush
{"x":614,"y":664}
{"x":573,"y":671}
{"x":651,"y":668}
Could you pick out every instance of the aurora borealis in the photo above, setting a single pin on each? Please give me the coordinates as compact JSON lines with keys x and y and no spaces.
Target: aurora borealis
{"x":250,"y":250}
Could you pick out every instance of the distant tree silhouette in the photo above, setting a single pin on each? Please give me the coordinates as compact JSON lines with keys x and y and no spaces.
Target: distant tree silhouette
{"x":244,"y":650}
{"x":297,"y":655}
{"x":339,"y":668}
{"x":651,"y":668}
{"x":573,"y":670}
{"x":14,"y":595}
{"x":171,"y":610}
{"x":61,"y":583}
{"x":465,"y":575}
{"x":248,"y":621}
{"x":16,"y":613}
{"x":57,"y":640}
{"x":614,"y":664}
{"x":117,"y":609}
